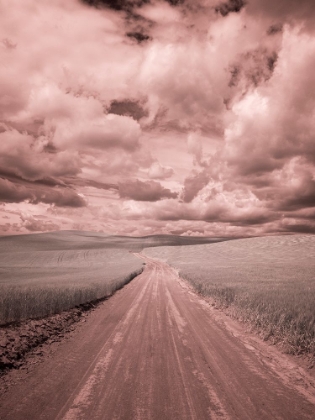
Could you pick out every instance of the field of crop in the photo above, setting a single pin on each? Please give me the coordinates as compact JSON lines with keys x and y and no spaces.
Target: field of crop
{"x":268,"y":282}
{"x":44,"y":274}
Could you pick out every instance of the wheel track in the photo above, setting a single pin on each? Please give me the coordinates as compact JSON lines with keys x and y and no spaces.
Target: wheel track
{"x":155,"y":351}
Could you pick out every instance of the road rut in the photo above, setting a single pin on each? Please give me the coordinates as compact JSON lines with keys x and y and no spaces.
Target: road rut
{"x":155,"y":350}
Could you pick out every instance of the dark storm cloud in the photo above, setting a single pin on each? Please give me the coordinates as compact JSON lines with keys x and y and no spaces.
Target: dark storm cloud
{"x":299,"y":228}
{"x":301,"y":10}
{"x":193,"y":184}
{"x":129,"y":4}
{"x":257,"y":166}
{"x":275,"y":29}
{"x":61,"y":197}
{"x":303,"y":214}
{"x":229,"y":214}
{"x":127,"y":108}
{"x":46,"y":181}
{"x":24,"y":156}
{"x":253,"y":68}
{"x":250,"y":219}
{"x":301,"y":197}
{"x":81,"y":182}
{"x":145,"y":191}
{"x":175,"y":2}
{"x":138,"y":36}
{"x":231,"y":6}
{"x":116,"y":4}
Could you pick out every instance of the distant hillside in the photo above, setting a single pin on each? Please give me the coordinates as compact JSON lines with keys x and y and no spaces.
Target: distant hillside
{"x":94,"y":240}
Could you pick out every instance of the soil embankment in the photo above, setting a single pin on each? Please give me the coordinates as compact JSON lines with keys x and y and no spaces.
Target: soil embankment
{"x":155,"y":350}
{"x":17,"y":340}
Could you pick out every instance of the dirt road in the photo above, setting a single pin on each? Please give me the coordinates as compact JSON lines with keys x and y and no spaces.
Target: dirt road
{"x":157,"y":351}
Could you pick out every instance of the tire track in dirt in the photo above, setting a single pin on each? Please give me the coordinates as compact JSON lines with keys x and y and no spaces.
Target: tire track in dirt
{"x":156,"y":351}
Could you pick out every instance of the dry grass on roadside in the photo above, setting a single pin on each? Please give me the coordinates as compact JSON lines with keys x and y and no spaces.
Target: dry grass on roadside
{"x":267,"y":282}
{"x":20,"y":302}
{"x":57,"y":272}
{"x":283,"y":314}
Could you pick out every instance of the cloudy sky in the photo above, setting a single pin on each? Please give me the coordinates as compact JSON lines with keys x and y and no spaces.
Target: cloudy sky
{"x":138,"y":117}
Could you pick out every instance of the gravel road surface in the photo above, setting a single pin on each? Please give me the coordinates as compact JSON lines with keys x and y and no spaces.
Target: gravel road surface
{"x":155,"y":350}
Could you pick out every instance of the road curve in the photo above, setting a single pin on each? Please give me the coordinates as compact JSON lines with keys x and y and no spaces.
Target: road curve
{"x":156,"y":351}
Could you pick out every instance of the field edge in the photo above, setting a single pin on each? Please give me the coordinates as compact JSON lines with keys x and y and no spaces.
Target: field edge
{"x":18,"y":340}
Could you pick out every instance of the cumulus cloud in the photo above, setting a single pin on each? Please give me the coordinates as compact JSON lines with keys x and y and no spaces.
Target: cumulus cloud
{"x":110,"y":131}
{"x":156,"y":171}
{"x":26,"y":157}
{"x":184,"y":116}
{"x":37,"y":224}
{"x":274,"y":122}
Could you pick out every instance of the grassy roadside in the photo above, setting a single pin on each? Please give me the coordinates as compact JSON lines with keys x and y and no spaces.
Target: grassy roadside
{"x":19,"y":339}
{"x":18,"y":303}
{"x":268,"y":283}
{"x":46,"y":274}
{"x":282,"y":315}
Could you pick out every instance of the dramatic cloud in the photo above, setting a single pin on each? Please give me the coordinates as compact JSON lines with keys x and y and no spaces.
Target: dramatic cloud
{"x":193,"y":185}
{"x":162,"y":116}
{"x":144,"y":191}
{"x":230,"y":6}
{"x":27,"y":157}
{"x":61,"y":197}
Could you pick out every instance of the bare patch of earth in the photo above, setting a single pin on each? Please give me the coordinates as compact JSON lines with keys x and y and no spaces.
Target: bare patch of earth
{"x":30,"y":339}
{"x":24,"y":340}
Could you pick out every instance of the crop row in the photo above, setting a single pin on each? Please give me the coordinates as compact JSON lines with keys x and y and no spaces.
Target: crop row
{"x":35,"y":284}
{"x":266,"y":282}
{"x":19,"y":303}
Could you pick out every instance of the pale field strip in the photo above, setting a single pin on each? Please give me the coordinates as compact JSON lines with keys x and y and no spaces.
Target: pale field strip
{"x":43,"y":278}
{"x":268,"y":282}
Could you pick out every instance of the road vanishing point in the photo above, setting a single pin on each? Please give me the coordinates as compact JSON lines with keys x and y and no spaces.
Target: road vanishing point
{"x":156,"y":350}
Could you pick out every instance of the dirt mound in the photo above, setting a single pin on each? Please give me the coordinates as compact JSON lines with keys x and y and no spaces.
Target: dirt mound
{"x":19,"y":339}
